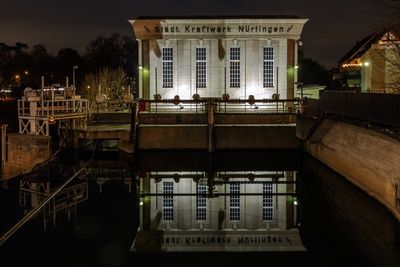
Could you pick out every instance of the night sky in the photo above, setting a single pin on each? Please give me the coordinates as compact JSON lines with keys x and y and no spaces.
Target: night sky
{"x":333,"y":28}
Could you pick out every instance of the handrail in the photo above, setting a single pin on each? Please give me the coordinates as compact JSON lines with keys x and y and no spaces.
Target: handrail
{"x":220,"y":105}
{"x":34,"y":211}
{"x":373,"y":107}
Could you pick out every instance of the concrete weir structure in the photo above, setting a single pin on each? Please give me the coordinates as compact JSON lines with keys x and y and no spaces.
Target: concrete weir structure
{"x":365,"y":157}
{"x":357,"y":135}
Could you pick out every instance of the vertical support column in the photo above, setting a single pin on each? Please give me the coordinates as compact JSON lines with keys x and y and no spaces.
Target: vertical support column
{"x":144,"y":72}
{"x":210,"y":116}
{"x":146,"y":207}
{"x":290,"y":71}
{"x":3,"y":150}
{"x":133,"y":138}
{"x":32,"y":115}
{"x":290,"y":220}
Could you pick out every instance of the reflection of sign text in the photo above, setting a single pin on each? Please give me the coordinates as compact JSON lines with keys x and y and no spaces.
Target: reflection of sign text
{"x":215,"y":240}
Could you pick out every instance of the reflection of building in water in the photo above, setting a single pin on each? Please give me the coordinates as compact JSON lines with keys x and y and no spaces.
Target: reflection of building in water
{"x":254,"y":211}
{"x":35,"y":190}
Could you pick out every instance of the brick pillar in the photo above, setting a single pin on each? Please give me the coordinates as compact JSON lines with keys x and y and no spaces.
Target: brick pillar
{"x":290,"y":70}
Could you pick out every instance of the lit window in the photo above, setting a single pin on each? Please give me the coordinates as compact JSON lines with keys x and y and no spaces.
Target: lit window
{"x":167,"y":64}
{"x":234,"y":201}
{"x":234,"y":67}
{"x":168,"y":201}
{"x":201,"y":203}
{"x":268,"y":203}
{"x":268,"y":68}
{"x":201,"y":67}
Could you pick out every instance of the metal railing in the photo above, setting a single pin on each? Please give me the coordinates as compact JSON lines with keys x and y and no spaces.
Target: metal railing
{"x":64,"y":108}
{"x":220,"y":106}
{"x":380,"y":108}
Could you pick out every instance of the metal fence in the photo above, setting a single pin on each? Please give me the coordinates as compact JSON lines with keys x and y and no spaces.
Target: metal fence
{"x":375,"y":107}
{"x":220,"y":106}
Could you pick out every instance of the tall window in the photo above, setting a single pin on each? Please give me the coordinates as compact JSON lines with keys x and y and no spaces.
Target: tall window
{"x":167,"y":65}
{"x":268,"y":203}
{"x":268,"y":68}
{"x":234,"y":67}
{"x":201,"y":67}
{"x":234,"y":201}
{"x":201,"y":203}
{"x":168,"y":201}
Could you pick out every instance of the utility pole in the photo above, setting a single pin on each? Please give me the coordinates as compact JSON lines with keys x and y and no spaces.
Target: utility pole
{"x":73,"y":75}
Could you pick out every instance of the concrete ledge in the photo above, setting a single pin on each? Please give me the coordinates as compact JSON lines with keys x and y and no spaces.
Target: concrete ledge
{"x":195,"y":137}
{"x":25,"y":151}
{"x":256,"y":137}
{"x":172,"y":137}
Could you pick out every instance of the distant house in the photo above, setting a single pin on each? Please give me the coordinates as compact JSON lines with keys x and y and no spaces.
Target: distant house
{"x":370,"y":65}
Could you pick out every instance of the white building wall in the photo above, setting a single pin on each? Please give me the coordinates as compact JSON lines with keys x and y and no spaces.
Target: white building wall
{"x":183,"y":69}
{"x":251,"y":68}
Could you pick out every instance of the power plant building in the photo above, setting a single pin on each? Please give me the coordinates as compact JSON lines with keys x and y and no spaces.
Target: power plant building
{"x":210,"y":57}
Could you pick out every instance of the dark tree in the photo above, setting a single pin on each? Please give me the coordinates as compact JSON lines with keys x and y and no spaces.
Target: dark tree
{"x":13,"y":64}
{"x":312,"y":72}
{"x":65,"y":60}
{"x":112,"y":52}
{"x":42,"y":65}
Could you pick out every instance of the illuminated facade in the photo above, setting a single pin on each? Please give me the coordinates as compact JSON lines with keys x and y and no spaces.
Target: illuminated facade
{"x":216,"y":56}
{"x":372,"y":65}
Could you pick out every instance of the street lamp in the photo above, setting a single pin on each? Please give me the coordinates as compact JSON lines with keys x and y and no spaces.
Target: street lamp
{"x":73,"y":75}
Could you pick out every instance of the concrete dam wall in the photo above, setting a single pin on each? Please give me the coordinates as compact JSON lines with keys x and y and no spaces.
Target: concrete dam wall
{"x":367,"y":158}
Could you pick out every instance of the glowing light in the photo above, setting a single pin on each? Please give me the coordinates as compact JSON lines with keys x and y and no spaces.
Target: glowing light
{"x":17,"y":76}
{"x":347,"y":65}
{"x":295,"y":203}
{"x":140,"y":67}
{"x":366,"y":63}
{"x":26,"y":72}
{"x":141,"y":203}
{"x":296,"y":67}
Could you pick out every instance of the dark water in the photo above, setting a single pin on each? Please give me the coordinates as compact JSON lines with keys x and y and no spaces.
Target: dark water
{"x":274,"y":208}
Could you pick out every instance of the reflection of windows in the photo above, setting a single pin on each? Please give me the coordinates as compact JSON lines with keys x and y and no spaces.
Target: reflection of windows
{"x":201,"y":67}
{"x":167,"y":67}
{"x":234,"y":67}
{"x":201,"y":203}
{"x":234,"y":200}
{"x":268,"y":68}
{"x":268,"y":209}
{"x":168,"y":201}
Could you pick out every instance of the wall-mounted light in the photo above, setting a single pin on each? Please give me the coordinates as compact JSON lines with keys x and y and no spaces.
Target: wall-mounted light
{"x":140,"y":67}
{"x":296,"y":67}
{"x":366,"y":64}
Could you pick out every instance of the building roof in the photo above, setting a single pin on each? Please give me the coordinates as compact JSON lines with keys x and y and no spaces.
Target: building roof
{"x":223,"y":17}
{"x":361,"y":47}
